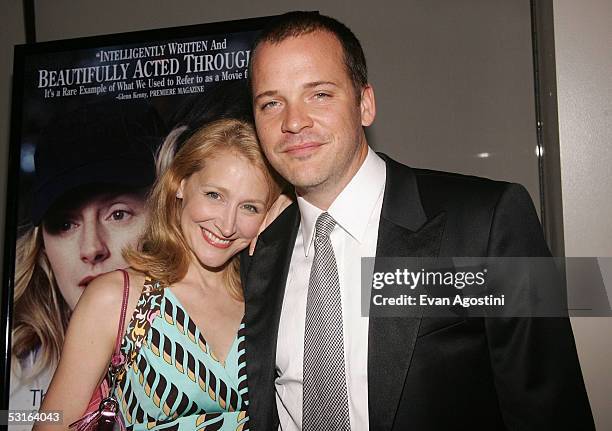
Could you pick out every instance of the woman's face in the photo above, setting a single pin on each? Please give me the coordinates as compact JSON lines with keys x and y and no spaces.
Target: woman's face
{"x":84,"y":238}
{"x":223,"y":206}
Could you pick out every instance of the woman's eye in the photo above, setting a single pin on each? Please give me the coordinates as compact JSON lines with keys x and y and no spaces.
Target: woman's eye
{"x":251,"y":208}
{"x":65,"y":226}
{"x":213,"y":195}
{"x":119,"y":215}
{"x":58,"y":225}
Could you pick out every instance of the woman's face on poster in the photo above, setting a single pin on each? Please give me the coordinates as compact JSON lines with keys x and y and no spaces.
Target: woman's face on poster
{"x":84,"y":236}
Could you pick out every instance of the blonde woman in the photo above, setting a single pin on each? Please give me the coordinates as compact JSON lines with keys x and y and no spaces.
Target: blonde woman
{"x":94,"y":168}
{"x":184,"y":344}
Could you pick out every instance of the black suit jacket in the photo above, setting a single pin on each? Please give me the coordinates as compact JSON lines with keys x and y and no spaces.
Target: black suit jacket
{"x":435,"y":373}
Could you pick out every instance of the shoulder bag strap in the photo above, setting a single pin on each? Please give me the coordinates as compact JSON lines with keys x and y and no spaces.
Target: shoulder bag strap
{"x":118,"y":358}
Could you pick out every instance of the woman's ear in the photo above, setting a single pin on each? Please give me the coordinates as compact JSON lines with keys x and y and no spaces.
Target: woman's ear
{"x":38,"y":231}
{"x":181,"y":189}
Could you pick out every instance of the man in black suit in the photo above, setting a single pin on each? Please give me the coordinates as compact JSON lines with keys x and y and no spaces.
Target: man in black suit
{"x":311,"y":100}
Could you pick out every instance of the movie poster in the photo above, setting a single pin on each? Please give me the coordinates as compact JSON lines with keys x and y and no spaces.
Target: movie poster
{"x":94,"y":121}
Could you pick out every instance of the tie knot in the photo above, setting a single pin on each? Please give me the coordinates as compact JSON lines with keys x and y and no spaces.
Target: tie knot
{"x":324,"y":225}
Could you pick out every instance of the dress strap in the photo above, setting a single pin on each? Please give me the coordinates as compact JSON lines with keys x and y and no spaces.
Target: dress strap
{"x":147,"y":309}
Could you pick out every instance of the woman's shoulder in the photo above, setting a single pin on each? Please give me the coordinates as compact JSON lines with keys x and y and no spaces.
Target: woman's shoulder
{"x":99,"y":308}
{"x":107,"y":289}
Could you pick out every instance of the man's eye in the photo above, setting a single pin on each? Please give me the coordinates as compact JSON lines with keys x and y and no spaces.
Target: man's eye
{"x":269,"y":105}
{"x":322,"y":95}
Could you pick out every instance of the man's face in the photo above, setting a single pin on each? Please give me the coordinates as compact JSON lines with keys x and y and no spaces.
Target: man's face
{"x":308,"y":116}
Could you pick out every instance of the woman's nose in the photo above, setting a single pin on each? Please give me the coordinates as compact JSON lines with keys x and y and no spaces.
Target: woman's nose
{"x":226,"y":222}
{"x":93,"y":246}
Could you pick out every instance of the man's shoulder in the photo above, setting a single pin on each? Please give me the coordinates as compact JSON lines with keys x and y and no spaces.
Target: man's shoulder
{"x":457,"y":181}
{"x":448,"y":188}
{"x":448,"y":191}
{"x":474,"y":209}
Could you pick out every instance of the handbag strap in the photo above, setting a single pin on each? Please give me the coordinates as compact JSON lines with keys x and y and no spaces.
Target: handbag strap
{"x":118,"y":358}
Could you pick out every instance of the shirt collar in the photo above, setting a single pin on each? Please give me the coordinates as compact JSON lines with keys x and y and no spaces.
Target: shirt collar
{"x":354,"y":205}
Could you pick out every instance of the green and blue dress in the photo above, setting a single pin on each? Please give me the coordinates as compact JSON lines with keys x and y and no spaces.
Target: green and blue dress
{"x":172,"y":380}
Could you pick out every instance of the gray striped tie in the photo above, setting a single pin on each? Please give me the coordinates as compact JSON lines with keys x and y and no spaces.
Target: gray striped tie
{"x":325,"y":405}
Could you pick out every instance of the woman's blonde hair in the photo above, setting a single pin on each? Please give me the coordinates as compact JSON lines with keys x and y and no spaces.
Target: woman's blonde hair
{"x":164,"y":253}
{"x":40,"y":312}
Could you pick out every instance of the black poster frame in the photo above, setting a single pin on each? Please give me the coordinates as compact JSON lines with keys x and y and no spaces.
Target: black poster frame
{"x":21,"y":55}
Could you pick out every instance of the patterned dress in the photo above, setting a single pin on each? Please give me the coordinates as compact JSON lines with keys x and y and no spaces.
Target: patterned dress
{"x":172,"y":380}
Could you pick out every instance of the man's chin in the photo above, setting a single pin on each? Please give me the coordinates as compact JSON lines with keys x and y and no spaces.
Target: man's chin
{"x":306,"y":184}
{"x":299,"y":172}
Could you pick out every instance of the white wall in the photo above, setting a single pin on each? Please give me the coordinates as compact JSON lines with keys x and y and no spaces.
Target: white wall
{"x":583,"y":40}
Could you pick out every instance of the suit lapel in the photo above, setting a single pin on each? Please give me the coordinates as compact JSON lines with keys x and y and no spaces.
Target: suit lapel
{"x":404,"y":231}
{"x":264,"y":291}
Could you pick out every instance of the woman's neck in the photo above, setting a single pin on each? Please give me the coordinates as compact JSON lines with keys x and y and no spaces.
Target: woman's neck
{"x":207,"y":278}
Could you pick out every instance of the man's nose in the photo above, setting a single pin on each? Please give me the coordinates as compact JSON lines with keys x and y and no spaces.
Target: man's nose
{"x":93,"y":246}
{"x":296,"y":118}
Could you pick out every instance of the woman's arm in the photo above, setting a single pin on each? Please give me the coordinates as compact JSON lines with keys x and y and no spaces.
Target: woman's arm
{"x":88,"y":347}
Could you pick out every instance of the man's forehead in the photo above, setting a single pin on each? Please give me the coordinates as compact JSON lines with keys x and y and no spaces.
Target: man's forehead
{"x":315,"y":39}
{"x":298,"y":51}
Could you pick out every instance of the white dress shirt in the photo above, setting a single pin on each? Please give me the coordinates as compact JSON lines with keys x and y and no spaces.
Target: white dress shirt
{"x":356,"y":211}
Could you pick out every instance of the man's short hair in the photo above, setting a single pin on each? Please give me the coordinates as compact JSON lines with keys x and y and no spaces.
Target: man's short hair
{"x":299,"y":23}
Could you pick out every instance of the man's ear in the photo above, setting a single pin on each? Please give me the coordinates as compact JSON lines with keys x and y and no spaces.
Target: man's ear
{"x":367,"y":105}
{"x":181,"y":189}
